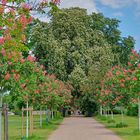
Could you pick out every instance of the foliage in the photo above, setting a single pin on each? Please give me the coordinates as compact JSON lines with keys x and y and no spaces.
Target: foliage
{"x":88,"y":105}
{"x":126,"y":133}
{"x":24,"y":78}
{"x":119,"y":88}
{"x":111,"y":121}
{"x":132,"y":110}
{"x":121,"y":125}
{"x":38,"y":133}
{"x":79,"y":48}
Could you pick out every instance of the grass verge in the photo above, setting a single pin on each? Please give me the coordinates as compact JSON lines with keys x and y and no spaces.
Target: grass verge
{"x":126,"y":133}
{"x":38,"y":133}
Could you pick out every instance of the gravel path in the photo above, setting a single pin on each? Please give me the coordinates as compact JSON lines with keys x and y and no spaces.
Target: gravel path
{"x":81,"y":128}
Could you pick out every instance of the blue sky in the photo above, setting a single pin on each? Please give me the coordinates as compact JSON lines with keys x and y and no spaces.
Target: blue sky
{"x":127,"y":11}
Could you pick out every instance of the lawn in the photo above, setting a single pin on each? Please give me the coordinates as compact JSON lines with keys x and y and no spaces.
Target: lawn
{"x":38,"y":133}
{"x":127,"y":133}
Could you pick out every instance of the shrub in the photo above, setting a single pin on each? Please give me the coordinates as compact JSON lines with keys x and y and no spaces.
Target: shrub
{"x":121,"y":125}
{"x":136,"y":132}
{"x":132,"y":110}
{"x":111,"y":121}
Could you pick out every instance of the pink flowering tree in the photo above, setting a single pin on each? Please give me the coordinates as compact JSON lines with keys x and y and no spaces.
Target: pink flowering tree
{"x":115,"y":89}
{"x":14,"y":17}
{"x":134,"y":65}
{"x":120,"y":86}
{"x":57,"y":93}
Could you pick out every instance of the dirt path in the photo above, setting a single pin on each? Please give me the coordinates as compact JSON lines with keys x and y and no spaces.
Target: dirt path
{"x":80,"y":128}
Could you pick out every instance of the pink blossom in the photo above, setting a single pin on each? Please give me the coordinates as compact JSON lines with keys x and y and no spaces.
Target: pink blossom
{"x":8,"y":37}
{"x":23,"y":86}
{"x":30,"y":58}
{"x":37,"y":70}
{"x":26,"y":6}
{"x":7,"y":76}
{"x":11,"y":11}
{"x":41,"y":67}
{"x":106,"y":92}
{"x":44,"y":73}
{"x":23,"y":21}
{"x":122,"y":85}
{"x":22,"y":60}
{"x":129,"y":64}
{"x":118,"y":73}
{"x":122,"y":80}
{"x":128,"y":78}
{"x":13,"y":71}
{"x":3,"y":52}
{"x":1,"y":40}
{"x":131,"y":57}
{"x":4,"y":2}
{"x":138,"y":65}
{"x":36,"y":91}
{"x":16,"y":77}
{"x":134,"y":79}
{"x":55,"y":1}
{"x":135,"y":53}
{"x":10,"y":63}
{"x":130,"y":71}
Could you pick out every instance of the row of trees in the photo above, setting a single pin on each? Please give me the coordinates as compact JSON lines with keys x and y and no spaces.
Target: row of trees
{"x":79,"y":49}
{"x":20,"y":75}
{"x":22,"y":79}
{"x":120,"y":86}
{"x":76,"y":47}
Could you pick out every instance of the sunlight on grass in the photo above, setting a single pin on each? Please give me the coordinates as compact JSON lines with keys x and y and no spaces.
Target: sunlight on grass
{"x":38,"y":133}
{"x":126,"y":133}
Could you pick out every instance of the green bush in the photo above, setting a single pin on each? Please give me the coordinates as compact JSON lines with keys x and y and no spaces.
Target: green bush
{"x":132,"y":110}
{"x":121,"y":125}
{"x":116,"y":111}
{"x":88,"y":105}
{"x":111,"y":121}
{"x":136,"y":132}
{"x":103,"y":118}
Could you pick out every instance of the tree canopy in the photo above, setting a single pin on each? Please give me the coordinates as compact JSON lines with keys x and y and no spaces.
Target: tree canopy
{"x":75,"y":43}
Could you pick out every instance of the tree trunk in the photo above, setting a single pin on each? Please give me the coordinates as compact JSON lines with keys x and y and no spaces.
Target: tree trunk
{"x":5,"y":110}
{"x":139,"y":112}
{"x":106,"y":113}
{"x":40,"y":118}
{"x":101,"y":110}
{"x":122,"y":115}
{"x":47,"y":119}
{"x":0,"y":117}
{"x":52,"y":115}
{"x":112,"y":115}
{"x":27,"y":120}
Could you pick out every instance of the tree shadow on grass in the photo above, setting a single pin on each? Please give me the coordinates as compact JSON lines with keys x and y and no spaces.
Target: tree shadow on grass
{"x":125,"y":133}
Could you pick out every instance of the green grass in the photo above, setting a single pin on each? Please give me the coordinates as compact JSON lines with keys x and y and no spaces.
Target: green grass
{"x":38,"y":133}
{"x":126,"y":133}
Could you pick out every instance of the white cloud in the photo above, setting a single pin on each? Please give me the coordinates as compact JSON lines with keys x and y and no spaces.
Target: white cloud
{"x":117,"y":3}
{"x":87,"y":4}
{"x":138,"y":7}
